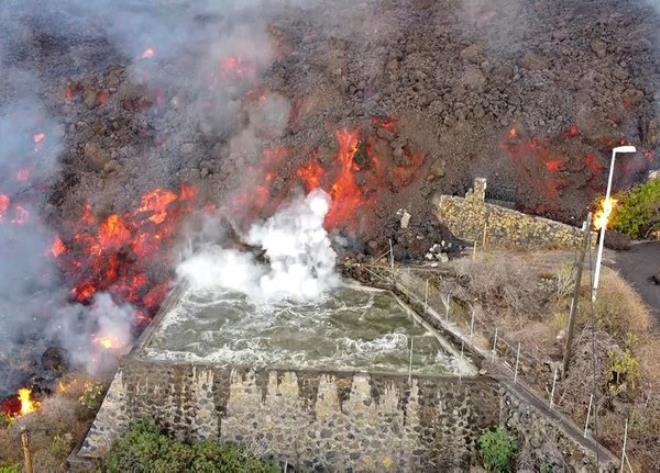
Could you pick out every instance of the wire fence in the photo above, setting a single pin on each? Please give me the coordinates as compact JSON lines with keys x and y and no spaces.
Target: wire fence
{"x":504,"y":357}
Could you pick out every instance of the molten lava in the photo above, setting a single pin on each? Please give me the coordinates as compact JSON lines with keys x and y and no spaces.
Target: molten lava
{"x":602,"y":216}
{"x":125,"y":254}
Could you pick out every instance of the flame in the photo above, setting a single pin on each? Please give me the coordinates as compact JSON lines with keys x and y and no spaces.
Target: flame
{"x":512,"y":133}
{"x":148,"y":53}
{"x":38,"y":137}
{"x":106,"y":342}
{"x":602,"y":215}
{"x":27,"y":404}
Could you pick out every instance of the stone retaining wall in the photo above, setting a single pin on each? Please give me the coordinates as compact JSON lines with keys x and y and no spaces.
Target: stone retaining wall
{"x":322,"y":421}
{"x":468,"y":217}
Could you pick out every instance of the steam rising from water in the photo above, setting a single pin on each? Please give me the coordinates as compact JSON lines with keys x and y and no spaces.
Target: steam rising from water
{"x":300,"y":262}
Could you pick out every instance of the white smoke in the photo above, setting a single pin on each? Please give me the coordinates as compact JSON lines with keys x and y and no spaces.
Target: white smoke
{"x":95,"y":336}
{"x":300,"y":259}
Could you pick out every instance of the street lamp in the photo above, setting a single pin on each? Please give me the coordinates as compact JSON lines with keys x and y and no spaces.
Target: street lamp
{"x":606,"y":202}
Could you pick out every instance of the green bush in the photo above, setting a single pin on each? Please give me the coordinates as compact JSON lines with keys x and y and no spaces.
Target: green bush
{"x":146,"y":449}
{"x":624,"y":368}
{"x":638,"y":212}
{"x":498,"y":450}
{"x":10,"y":469}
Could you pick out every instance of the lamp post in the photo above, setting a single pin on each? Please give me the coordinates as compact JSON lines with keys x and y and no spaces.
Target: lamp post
{"x":601,"y":239}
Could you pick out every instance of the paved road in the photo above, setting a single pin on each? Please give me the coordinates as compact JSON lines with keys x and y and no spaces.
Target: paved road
{"x":637,"y":265}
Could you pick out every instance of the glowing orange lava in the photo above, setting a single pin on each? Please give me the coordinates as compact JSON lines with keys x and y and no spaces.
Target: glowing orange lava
{"x":125,"y":254}
{"x":311,"y":174}
{"x":58,"y":247}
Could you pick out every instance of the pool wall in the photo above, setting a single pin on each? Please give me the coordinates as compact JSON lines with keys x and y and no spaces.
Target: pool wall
{"x":323,"y":421}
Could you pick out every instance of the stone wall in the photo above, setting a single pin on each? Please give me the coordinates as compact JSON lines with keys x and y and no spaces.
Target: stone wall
{"x":318,"y":421}
{"x":468,"y":217}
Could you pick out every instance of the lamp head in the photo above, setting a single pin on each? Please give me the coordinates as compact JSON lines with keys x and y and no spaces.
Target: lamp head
{"x":625,"y":149}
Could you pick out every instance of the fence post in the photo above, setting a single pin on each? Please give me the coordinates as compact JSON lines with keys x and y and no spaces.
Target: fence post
{"x":494,"y":346}
{"x":448,"y":307}
{"x":623,"y":450}
{"x":515,"y":376}
{"x":586,"y":242}
{"x":586,"y":424}
{"x":426,"y":298}
{"x":412,"y":341}
{"x":27,"y":453}
{"x":554,"y":383}
{"x":391,"y":259}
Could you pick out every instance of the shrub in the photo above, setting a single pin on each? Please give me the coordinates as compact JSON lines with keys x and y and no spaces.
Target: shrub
{"x":498,"y":450}
{"x":638,"y":213}
{"x":624,"y":368}
{"x":10,"y":469}
{"x":146,"y":449}
{"x":91,"y":396}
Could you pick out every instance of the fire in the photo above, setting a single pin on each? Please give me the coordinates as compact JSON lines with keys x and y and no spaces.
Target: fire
{"x":27,"y":404}
{"x":512,"y":133}
{"x":602,"y":215}
{"x":38,"y":137}
{"x":148,"y":53}
{"x":107,"y":342}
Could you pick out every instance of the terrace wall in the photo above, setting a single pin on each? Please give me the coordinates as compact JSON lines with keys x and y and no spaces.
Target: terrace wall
{"x":324,"y":421}
{"x":470,"y":216}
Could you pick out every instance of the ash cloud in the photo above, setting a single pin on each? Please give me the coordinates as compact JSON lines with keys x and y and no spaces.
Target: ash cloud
{"x":299,"y":262}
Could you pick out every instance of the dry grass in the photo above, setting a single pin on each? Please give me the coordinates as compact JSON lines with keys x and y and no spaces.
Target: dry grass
{"x":619,"y":309}
{"x":55,"y":429}
{"x":528,"y":297}
{"x":507,"y":282}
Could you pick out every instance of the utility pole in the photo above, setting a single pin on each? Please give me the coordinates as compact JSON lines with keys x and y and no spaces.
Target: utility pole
{"x":586,"y":242}
{"x":27,"y":454}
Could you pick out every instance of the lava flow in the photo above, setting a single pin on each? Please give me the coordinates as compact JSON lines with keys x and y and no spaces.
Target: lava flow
{"x":125,"y":254}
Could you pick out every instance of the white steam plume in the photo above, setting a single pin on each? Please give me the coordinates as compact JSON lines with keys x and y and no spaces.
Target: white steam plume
{"x":300,"y":260}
